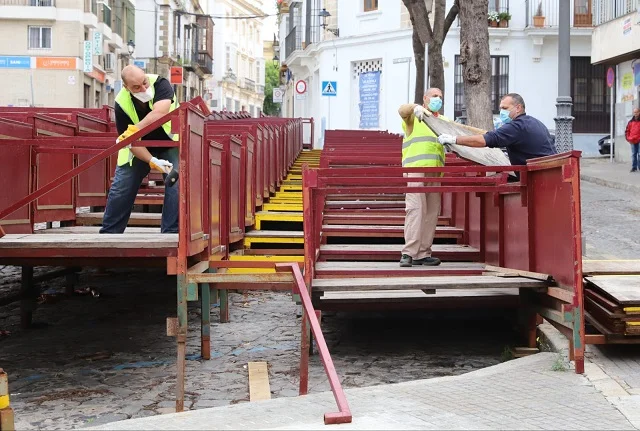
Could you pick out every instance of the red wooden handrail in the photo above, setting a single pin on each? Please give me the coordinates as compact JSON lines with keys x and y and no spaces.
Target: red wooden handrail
{"x":344,"y":414}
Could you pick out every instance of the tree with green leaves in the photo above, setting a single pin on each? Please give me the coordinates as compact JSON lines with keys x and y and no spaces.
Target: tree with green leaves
{"x":271,"y":81}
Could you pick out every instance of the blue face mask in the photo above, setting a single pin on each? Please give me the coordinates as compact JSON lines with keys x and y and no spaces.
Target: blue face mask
{"x":504,"y":116}
{"x":435,"y":104}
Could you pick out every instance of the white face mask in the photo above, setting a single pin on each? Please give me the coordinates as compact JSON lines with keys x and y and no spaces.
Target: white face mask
{"x":145,"y":96}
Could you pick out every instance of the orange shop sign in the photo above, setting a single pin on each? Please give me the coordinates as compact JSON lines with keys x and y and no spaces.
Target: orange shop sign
{"x":176,"y":75}
{"x":60,"y":63}
{"x":98,"y":75}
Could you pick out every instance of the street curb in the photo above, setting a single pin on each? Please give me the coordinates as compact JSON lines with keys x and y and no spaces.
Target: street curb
{"x":610,"y":184}
{"x":627,"y":404}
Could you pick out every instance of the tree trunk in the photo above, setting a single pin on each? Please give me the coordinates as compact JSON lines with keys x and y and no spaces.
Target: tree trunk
{"x":476,"y":62}
{"x":418,"y":54}
{"x":436,"y":67}
{"x":424,"y":33}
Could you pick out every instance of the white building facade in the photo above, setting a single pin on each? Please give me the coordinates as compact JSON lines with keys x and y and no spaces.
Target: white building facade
{"x":616,"y":45}
{"x":238,"y":75}
{"x":367,"y":43}
{"x":63,"y":53}
{"x":175,"y":36}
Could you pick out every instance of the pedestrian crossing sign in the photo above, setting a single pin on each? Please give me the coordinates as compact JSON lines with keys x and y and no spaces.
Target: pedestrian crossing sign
{"x":329,"y":88}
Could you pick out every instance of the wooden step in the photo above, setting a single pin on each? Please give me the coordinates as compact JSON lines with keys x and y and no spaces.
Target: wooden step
{"x":136,"y":219}
{"x":281,"y":216}
{"x":365,"y":204}
{"x":393,"y":269}
{"x":273,"y":237}
{"x":424,"y":283}
{"x":282,"y":206}
{"x":93,"y":229}
{"x":373,"y":231}
{"x":373,"y":219}
{"x":392,"y":252}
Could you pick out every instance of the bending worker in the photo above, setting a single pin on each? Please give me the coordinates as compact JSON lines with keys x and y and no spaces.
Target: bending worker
{"x":420,"y":148}
{"x":143,"y":99}
{"x":523,"y":136}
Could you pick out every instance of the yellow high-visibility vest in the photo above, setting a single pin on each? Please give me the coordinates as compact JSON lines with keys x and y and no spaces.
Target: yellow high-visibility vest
{"x":421,"y":148}
{"x":124,"y":99}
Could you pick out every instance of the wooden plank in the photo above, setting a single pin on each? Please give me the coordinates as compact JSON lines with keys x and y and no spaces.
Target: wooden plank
{"x":274,"y":234}
{"x":94,"y":230}
{"x":136,"y":219}
{"x":435,"y":282}
{"x":396,"y":295}
{"x":259,"y":381}
{"x":385,"y":248}
{"x":610,"y":267}
{"x":392,"y":269}
{"x":95,"y":241}
{"x":624,"y":289}
{"x":519,"y":273}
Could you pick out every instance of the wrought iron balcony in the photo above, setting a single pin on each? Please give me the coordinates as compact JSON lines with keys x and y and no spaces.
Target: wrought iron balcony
{"x":36,"y":3}
{"x":544,"y":13}
{"x":292,"y":42}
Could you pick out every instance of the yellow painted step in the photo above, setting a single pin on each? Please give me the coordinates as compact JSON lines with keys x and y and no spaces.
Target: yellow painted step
{"x":261,"y":258}
{"x":262,"y":216}
{"x":282,"y":206}
{"x":293,"y":188}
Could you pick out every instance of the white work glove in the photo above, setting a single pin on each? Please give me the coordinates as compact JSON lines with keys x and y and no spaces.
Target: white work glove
{"x":420,"y":112}
{"x":160,"y":165}
{"x":446,"y":139}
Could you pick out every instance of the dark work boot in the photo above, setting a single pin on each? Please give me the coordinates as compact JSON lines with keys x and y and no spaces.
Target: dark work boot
{"x":406,"y":260}
{"x":429,"y":261}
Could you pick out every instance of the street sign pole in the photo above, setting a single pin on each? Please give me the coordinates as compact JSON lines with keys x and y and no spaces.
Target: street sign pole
{"x":610,"y":80}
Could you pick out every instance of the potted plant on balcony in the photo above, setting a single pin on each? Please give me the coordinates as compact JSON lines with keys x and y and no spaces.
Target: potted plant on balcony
{"x":283,"y":6}
{"x":493,"y":18}
{"x":538,"y":18}
{"x":503,"y":19}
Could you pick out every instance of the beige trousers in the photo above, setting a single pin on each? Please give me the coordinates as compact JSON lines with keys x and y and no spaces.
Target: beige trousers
{"x":421,"y":218}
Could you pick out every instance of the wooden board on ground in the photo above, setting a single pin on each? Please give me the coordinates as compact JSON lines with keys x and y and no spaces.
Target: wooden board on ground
{"x":484,"y":156}
{"x":259,"y":381}
{"x":610,"y":267}
{"x":399,"y":295}
{"x":624,"y":289}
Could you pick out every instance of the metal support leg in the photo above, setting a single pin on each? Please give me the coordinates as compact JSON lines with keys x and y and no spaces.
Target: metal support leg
{"x":181,"y":337}
{"x":304,"y":355}
{"x":224,"y":305}
{"x":27,"y":297}
{"x":564,"y":120}
{"x":205,"y":331}
{"x":71,"y":281}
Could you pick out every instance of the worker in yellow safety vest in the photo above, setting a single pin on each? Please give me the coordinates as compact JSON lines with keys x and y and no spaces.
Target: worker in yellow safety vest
{"x":420,"y":148}
{"x":143,"y":99}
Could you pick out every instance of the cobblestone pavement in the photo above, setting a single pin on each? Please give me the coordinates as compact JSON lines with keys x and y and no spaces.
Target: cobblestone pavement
{"x":107,"y":358}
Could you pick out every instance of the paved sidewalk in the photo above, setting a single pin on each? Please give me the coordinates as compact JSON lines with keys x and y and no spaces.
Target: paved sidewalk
{"x":615,"y":175}
{"x":521,"y":394}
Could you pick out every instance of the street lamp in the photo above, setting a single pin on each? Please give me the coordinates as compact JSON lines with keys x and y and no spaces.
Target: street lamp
{"x":564,"y":120}
{"x":276,"y":60}
{"x":324,"y":14}
{"x":276,"y":51}
{"x":131,"y":47}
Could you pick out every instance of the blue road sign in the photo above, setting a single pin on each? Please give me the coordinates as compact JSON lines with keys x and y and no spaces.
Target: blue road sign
{"x":329,"y":88}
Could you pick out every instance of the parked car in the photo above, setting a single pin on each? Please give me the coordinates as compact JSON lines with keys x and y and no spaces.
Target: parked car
{"x":604,"y":145}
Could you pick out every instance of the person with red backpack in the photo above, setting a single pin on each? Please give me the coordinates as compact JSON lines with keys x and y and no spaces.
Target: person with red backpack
{"x":633,"y":137}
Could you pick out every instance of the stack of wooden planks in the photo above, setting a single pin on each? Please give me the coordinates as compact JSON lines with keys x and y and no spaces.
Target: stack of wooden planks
{"x":612,"y":304}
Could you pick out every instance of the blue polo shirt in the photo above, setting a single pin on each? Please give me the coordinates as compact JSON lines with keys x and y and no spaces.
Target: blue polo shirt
{"x":524,"y":138}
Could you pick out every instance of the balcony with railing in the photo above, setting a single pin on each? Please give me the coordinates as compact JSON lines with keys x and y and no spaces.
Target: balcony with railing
{"x":28,"y":9}
{"x":34,"y":3}
{"x":292,"y":42}
{"x":545,"y":13}
{"x":498,"y":14}
{"x":197,"y":54}
{"x":249,"y":84}
{"x":608,"y":10}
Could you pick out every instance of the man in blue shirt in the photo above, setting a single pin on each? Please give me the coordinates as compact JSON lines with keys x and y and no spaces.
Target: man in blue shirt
{"x":523,"y":136}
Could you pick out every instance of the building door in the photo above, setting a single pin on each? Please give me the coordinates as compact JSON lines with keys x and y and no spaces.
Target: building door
{"x":87,"y":96}
{"x":582,"y":16}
